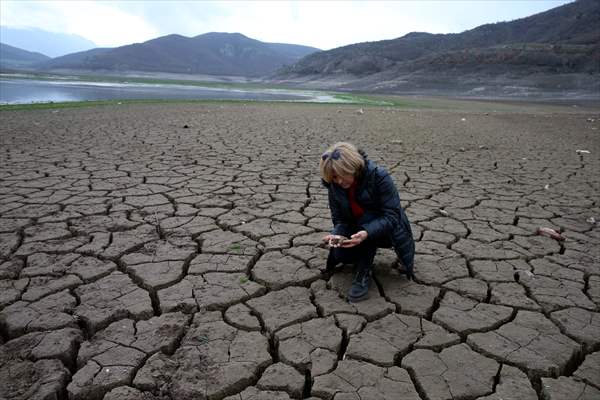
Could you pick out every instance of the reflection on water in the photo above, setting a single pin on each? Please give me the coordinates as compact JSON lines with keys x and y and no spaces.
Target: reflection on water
{"x":20,"y":91}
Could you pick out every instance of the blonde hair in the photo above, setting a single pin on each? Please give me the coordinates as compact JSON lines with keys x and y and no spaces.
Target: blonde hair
{"x":341,"y":159}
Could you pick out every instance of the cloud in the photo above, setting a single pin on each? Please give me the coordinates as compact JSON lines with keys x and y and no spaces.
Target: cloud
{"x":100,"y":22}
{"x":322,"y":24}
{"x":189,"y":18}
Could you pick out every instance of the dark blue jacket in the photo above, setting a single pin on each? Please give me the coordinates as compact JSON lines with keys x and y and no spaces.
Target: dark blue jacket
{"x":384,"y":220}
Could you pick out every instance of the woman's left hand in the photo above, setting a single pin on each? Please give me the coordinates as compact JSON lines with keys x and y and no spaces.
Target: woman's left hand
{"x":355,"y":239}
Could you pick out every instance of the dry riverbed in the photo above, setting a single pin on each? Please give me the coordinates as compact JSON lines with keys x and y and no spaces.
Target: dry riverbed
{"x":172,"y":251}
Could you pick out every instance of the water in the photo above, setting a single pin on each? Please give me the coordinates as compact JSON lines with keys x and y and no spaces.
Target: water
{"x":23,"y":91}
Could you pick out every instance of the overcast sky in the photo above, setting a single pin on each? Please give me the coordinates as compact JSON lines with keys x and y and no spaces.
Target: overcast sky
{"x":321,"y":24}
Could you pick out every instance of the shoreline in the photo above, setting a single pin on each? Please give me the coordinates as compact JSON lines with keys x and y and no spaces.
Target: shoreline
{"x":369,"y":101}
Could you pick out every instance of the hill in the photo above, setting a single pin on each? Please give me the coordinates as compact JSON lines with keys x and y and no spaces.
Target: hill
{"x":546,"y":50}
{"x":211,"y":53}
{"x":52,"y":44}
{"x":15,"y":58}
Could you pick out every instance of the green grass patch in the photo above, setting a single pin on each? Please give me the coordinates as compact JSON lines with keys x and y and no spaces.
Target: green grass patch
{"x":235,"y":247}
{"x":339,"y":100}
{"x":345,"y":100}
{"x":95,"y":103}
{"x":342,"y":100}
{"x":76,"y":104}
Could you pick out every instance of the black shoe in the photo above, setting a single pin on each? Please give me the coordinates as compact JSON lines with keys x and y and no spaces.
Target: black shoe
{"x":359,"y":290}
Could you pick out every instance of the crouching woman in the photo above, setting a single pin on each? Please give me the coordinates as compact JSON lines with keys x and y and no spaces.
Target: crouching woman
{"x":365,"y":209}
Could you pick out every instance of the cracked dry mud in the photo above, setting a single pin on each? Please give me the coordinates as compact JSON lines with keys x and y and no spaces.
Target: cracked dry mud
{"x":143,"y":260}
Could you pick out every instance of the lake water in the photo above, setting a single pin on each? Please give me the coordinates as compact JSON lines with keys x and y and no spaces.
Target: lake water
{"x":21,"y":91}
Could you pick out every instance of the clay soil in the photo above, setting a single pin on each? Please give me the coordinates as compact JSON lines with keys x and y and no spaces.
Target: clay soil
{"x":172,"y":251}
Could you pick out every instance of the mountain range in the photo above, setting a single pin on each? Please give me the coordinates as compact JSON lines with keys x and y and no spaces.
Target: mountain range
{"x":52,"y":44}
{"x":554,"y":50}
{"x":212,"y":53}
{"x":13,"y":57}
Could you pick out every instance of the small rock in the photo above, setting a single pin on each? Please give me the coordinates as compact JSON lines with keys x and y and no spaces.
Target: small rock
{"x":591,"y":220}
{"x":442,"y":212}
{"x":360,"y":111}
{"x":551,"y":233}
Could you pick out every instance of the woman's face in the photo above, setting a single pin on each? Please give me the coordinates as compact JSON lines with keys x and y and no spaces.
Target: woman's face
{"x":345,"y":181}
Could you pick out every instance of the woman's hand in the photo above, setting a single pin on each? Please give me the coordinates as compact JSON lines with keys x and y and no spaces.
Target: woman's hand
{"x":327,"y":238}
{"x":355,"y":239}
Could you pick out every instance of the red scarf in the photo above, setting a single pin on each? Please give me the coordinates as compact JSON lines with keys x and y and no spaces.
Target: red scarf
{"x":357,"y":210}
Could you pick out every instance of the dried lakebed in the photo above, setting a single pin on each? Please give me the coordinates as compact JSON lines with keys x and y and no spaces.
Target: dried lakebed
{"x":172,"y":252}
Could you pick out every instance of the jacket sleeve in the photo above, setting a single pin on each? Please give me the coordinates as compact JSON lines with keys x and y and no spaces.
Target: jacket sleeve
{"x":389,"y":201}
{"x":340,"y":226}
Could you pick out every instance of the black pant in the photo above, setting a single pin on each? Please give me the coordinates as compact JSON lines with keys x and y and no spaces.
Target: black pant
{"x":361,"y":255}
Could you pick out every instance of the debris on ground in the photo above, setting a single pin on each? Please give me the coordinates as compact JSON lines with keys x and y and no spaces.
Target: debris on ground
{"x":185,"y":126}
{"x":591,"y":220}
{"x":551,"y":233}
{"x":582,"y":151}
{"x":360,"y":111}
{"x":547,"y":186}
